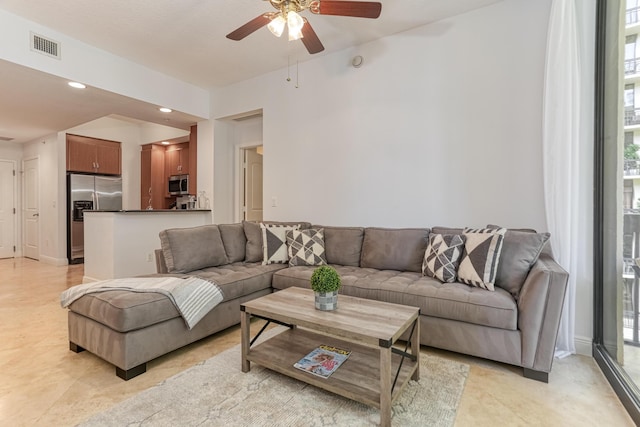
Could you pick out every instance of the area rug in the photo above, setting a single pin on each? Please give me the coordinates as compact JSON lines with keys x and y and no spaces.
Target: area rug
{"x":217,"y":393}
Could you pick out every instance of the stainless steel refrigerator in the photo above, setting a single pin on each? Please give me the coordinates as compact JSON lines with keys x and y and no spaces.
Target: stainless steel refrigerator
{"x":88,"y":192}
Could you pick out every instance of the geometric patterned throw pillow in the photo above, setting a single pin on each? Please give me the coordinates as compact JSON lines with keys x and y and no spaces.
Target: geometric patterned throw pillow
{"x":479,"y":263}
{"x":274,"y":243}
{"x":442,"y":256}
{"x":306,"y":247}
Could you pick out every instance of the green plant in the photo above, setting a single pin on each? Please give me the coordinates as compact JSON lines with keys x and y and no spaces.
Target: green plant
{"x":325,"y":279}
{"x":631,"y":152}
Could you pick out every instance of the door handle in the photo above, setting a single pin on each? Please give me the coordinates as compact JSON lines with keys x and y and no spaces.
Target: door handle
{"x":36,"y":214}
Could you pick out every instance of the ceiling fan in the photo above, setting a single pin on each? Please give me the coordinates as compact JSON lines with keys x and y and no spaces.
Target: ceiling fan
{"x":288,"y":13}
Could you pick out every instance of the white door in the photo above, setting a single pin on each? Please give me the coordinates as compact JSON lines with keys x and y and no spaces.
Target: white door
{"x":7,"y":209}
{"x":31,"y":211}
{"x":253,"y":185}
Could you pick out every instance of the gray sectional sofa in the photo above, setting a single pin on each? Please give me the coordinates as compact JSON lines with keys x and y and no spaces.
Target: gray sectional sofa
{"x":516,"y":323}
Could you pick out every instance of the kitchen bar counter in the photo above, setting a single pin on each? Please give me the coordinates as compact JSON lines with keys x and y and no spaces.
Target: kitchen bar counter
{"x":155,"y":210}
{"x":122,"y":243}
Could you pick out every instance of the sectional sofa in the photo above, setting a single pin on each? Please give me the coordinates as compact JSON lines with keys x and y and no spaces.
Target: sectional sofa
{"x":513,"y":318}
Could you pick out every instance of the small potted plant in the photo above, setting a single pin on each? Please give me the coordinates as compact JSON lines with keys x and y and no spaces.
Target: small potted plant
{"x":325,"y":282}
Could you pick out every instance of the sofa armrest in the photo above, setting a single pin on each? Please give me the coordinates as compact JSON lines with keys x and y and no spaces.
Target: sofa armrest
{"x":161,"y":265}
{"x":539,"y":312}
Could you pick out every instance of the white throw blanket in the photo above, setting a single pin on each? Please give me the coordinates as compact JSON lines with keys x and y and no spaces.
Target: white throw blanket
{"x":193,"y":297}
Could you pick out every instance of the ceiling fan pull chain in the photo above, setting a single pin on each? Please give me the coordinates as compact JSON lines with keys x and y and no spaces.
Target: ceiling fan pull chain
{"x":288,"y":68}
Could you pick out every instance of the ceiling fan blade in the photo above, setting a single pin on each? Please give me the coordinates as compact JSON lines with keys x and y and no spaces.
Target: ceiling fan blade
{"x":359,"y":9}
{"x":310,"y":38}
{"x":250,"y":27}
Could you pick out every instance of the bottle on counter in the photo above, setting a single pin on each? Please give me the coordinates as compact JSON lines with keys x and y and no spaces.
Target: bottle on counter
{"x":201,"y":200}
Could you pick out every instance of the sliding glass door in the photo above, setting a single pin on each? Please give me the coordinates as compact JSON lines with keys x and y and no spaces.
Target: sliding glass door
{"x":617,"y":199}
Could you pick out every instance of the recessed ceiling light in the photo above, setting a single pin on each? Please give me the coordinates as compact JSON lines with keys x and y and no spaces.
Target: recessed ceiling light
{"x":165,"y":143}
{"x":77,"y":85}
{"x":165,"y":109}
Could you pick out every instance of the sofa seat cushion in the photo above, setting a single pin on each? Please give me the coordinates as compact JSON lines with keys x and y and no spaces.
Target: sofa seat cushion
{"x":240,"y":279}
{"x":125,"y":311}
{"x":454,"y":301}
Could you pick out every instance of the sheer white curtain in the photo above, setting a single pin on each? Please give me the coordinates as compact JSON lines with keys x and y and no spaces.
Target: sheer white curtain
{"x":561,"y":155}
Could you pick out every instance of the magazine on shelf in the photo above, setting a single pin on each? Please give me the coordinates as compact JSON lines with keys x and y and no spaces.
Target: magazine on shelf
{"x":323,"y":360}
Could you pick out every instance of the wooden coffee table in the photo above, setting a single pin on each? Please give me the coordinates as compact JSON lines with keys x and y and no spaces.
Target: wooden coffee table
{"x":375,"y":373}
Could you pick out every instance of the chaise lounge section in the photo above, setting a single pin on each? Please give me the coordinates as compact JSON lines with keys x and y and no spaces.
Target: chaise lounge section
{"x":515,"y":323}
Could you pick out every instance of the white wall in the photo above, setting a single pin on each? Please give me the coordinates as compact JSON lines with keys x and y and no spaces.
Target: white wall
{"x":441,"y":125}
{"x":229,"y":137}
{"x":206,"y":166}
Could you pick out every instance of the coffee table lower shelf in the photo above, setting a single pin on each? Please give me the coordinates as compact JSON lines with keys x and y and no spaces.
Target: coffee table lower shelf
{"x":358,"y":378}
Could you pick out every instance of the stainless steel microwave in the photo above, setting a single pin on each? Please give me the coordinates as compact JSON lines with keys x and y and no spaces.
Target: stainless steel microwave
{"x":179,"y":185}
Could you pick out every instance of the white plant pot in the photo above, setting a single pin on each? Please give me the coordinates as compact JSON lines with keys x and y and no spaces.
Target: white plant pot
{"x":326,"y":301}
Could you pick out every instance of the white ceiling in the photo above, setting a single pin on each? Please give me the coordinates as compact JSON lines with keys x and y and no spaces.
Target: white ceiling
{"x":181,"y":38}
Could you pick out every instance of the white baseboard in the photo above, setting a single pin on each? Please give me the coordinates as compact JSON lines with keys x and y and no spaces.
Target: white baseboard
{"x":58,"y":262}
{"x":88,"y":279}
{"x":584,"y":346}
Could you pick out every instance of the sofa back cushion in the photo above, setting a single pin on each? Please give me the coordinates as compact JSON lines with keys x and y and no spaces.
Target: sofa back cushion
{"x":253,"y":249}
{"x":188,"y":249}
{"x":400,"y":249}
{"x":253,"y":233}
{"x":520,"y":250}
{"x":447,"y":230}
{"x":343,"y":245}
{"x":234,"y":240}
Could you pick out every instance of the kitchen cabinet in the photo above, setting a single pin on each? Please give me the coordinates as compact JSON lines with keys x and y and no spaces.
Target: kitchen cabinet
{"x":159,"y":162}
{"x":152,"y":179}
{"x":93,"y":155}
{"x":176,"y":160}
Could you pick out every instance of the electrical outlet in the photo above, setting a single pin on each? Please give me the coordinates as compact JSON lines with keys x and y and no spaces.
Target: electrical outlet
{"x":274,"y":201}
{"x":149,"y":257}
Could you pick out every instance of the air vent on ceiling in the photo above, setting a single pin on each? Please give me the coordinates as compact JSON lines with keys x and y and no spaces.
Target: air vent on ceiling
{"x":45,"y":46}
{"x":6,"y":138}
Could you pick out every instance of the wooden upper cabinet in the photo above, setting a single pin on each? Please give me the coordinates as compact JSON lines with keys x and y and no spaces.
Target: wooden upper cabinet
{"x":93,"y":155}
{"x":176,"y":160}
{"x":109,"y":158}
{"x":153,"y":184}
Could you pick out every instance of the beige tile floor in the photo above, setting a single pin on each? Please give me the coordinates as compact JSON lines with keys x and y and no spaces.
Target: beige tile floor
{"x":45,"y":384}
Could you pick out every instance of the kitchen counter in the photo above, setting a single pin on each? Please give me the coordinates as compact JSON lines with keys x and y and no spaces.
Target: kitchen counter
{"x":121,"y":243}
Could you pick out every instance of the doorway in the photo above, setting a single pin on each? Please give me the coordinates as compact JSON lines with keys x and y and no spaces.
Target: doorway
{"x":7,"y":208}
{"x":251,"y":185}
{"x":31,"y":210}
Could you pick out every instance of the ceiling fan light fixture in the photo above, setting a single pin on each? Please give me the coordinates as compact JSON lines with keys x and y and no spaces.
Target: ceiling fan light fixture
{"x":294,"y":25}
{"x":276,"y":26}
{"x":295,"y":35}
